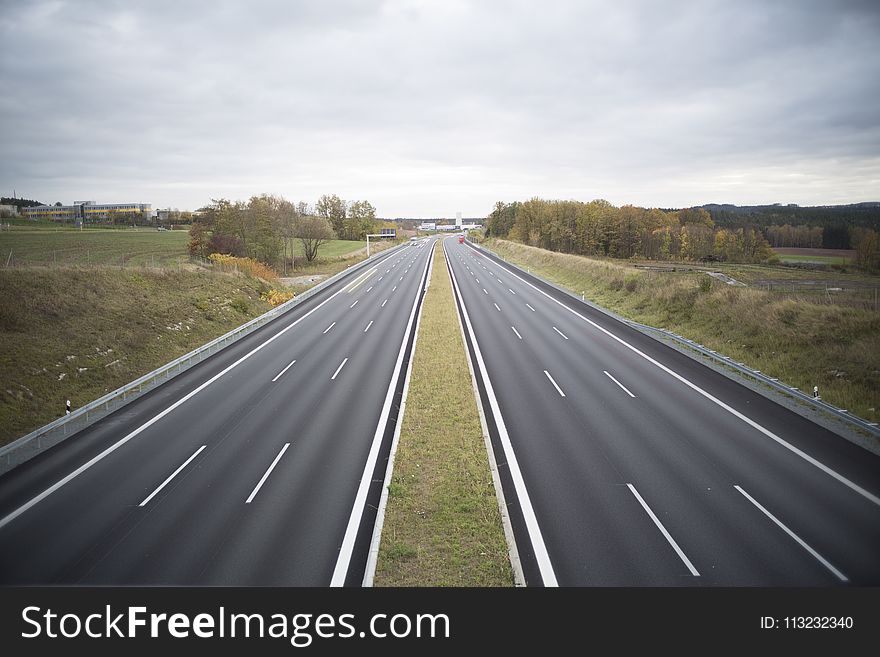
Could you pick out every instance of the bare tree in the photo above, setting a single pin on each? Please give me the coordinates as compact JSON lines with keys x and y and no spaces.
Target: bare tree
{"x":312,"y":232}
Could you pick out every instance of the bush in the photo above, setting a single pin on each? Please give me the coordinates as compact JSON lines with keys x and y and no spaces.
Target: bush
{"x":705,"y":284}
{"x":276,"y":297}
{"x":245,"y":265}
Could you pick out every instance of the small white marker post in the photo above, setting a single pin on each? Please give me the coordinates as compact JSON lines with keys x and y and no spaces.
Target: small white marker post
{"x":816,"y":392}
{"x":67,"y":408}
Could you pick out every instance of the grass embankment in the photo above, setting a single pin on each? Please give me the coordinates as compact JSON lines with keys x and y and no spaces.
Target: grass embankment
{"x":79,"y":333}
{"x":442,"y":523}
{"x":801,"y":342}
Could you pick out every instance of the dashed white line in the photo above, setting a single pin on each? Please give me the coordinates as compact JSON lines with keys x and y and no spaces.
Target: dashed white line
{"x":400,"y":279}
{"x":511,"y":291}
{"x":496,"y":307}
{"x":379,"y":279}
{"x":329,"y":327}
{"x":393,"y":288}
{"x":485,"y":290}
{"x":678,"y":550}
{"x":477,"y":279}
{"x":623,"y":387}
{"x":339,"y":369}
{"x":383,"y":303}
{"x":281,"y":373}
{"x":171,"y":476}
{"x":369,"y":288}
{"x":555,"y":385}
{"x":368,"y":326}
{"x":816,"y":555}
{"x":530,"y":308}
{"x":266,"y":474}
{"x":355,"y":303}
{"x":517,"y":332}
{"x":560,"y":333}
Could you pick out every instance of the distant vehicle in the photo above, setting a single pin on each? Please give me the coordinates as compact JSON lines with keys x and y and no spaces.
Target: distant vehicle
{"x":461,"y":239}
{"x":413,"y":239}
{"x":161,"y":228}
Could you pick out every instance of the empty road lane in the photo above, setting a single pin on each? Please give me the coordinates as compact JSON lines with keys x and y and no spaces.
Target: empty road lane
{"x":628,"y":463}
{"x":255,"y":467}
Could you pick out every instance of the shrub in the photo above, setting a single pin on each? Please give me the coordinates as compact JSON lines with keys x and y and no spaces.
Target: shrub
{"x":248,"y":266}
{"x":276,"y":297}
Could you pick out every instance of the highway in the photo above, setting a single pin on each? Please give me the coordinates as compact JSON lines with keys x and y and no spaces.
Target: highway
{"x":627,"y":463}
{"x":262,"y":465}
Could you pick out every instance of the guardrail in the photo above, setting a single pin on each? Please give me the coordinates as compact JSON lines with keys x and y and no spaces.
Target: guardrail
{"x":41,"y":439}
{"x":870,"y":427}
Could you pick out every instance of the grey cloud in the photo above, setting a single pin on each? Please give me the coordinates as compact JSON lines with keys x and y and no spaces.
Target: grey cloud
{"x":429,"y":107}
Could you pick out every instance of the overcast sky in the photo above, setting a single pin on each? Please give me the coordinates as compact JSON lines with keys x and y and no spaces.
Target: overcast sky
{"x":426,"y":108}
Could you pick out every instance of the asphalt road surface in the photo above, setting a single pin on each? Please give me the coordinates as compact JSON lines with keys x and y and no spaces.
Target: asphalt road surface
{"x":625,"y":462}
{"x":260,"y":466}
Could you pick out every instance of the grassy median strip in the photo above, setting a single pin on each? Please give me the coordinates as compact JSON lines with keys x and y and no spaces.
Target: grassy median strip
{"x":442,"y":523}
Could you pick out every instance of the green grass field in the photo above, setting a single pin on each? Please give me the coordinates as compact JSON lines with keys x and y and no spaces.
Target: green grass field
{"x":28,"y":247}
{"x":814,"y":259}
{"x":442,"y":524}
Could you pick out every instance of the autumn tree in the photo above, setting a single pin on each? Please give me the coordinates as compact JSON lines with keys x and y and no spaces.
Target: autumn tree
{"x":313,"y":231}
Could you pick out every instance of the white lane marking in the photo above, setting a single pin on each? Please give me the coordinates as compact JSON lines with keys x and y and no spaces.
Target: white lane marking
{"x":485,"y":290}
{"x":545,"y":566}
{"x":281,"y":373}
{"x":387,"y":271}
{"x":355,"y":303}
{"x":555,"y":385}
{"x":266,"y":474}
{"x":511,"y":291}
{"x":119,"y":443}
{"x":666,"y":534}
{"x":360,"y":279}
{"x":393,"y":288}
{"x":560,"y":333}
{"x":530,"y":308}
{"x":338,"y":369}
{"x":357,"y":510}
{"x":517,"y":333}
{"x":622,"y":387}
{"x":368,"y":326}
{"x":471,"y":273}
{"x":496,"y":307}
{"x":477,"y":279}
{"x":171,"y":476}
{"x":379,"y":279}
{"x":383,"y":303}
{"x":369,"y":288}
{"x":809,"y":459}
{"x":816,"y":555}
{"x":329,"y":327}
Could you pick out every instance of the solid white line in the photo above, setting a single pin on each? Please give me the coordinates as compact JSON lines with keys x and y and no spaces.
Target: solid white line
{"x":383,"y":303}
{"x":555,"y":385}
{"x":485,"y":290}
{"x":355,"y":303}
{"x":341,"y":365}
{"x":266,"y":474}
{"x":511,"y":291}
{"x":368,"y":326}
{"x":172,"y":476}
{"x":357,"y":510}
{"x":360,"y":279}
{"x":329,"y":327}
{"x":281,"y":373}
{"x":496,"y":307}
{"x":517,"y":333}
{"x":816,"y":555}
{"x":678,"y":550}
{"x":623,"y":387}
{"x":545,"y":566}
{"x":809,"y":459}
{"x":530,"y":308}
{"x":119,"y":443}
{"x":560,"y":333}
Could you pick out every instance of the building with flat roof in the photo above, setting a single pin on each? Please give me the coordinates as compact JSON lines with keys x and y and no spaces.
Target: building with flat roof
{"x":89,"y":211}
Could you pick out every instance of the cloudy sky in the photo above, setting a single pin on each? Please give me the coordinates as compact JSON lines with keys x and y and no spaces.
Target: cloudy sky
{"x":429,"y":107}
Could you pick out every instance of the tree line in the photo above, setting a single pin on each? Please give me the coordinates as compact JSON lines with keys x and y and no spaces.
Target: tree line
{"x":266,"y":227}
{"x":600,"y":228}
